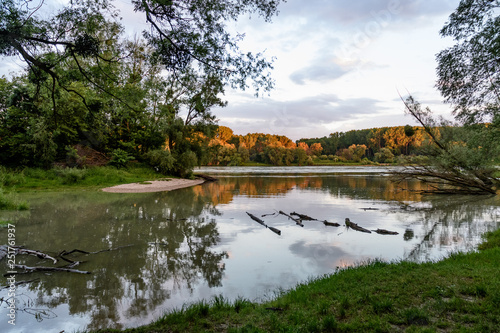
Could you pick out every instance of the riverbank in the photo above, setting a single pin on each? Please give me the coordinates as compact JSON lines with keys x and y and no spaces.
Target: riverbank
{"x":168,"y":184}
{"x":61,"y":179}
{"x":460,"y":293}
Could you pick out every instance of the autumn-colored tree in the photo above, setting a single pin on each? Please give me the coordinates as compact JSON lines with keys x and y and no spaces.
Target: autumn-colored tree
{"x":304,"y":146}
{"x":375,"y":138}
{"x":316,"y":148}
{"x":224,"y":133}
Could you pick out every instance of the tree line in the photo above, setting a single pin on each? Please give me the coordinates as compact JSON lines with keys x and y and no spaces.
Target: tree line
{"x":376,"y":144}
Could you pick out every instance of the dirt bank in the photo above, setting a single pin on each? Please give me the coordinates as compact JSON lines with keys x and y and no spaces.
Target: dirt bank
{"x":154,"y":186}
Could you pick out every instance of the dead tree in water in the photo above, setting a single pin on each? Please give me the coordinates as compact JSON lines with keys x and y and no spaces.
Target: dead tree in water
{"x":455,"y":166}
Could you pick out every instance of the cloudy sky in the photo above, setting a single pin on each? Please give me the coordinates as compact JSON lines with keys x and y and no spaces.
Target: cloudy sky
{"x":339,"y":65}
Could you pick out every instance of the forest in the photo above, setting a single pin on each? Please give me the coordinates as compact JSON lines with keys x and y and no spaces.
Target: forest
{"x":367,"y":146}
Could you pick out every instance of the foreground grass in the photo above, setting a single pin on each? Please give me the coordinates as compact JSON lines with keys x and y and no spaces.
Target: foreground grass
{"x":73,"y":178}
{"x":458,"y":294}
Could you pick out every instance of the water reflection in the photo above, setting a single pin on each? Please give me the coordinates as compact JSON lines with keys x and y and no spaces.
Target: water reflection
{"x":197,"y":242}
{"x":172,"y":248}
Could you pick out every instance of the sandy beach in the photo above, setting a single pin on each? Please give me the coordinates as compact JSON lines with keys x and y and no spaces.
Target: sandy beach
{"x":154,"y":186}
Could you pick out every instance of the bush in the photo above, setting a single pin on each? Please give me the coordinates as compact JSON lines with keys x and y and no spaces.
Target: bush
{"x":161,"y":160}
{"x":120,"y":158}
{"x":10,"y":178}
{"x":185,"y":163}
{"x":384,"y":156}
{"x":69,"y":176}
{"x":8,"y":202}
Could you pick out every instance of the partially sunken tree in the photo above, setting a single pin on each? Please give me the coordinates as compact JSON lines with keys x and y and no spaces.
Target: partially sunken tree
{"x":462,"y":160}
{"x":468,"y":78}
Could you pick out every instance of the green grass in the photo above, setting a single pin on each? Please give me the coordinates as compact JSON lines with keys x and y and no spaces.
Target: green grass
{"x":458,"y":294}
{"x":9,"y":201}
{"x":5,"y":224}
{"x":71,"y":178}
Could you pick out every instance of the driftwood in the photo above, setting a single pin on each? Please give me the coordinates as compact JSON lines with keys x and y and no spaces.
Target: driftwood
{"x":356,"y":227}
{"x":206,"y":177}
{"x":303,"y":217}
{"x":331,"y":224}
{"x":18,"y":283}
{"x":297,"y":221}
{"x":369,"y":208}
{"x":20,"y":250}
{"x":277,"y":231}
{"x":49,"y":269}
{"x":39,"y":254}
{"x":256,"y":219}
{"x":386,"y":232}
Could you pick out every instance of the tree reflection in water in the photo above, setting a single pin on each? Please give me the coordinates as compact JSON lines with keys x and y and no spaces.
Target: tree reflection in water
{"x":172,"y":249}
{"x":181,"y":240}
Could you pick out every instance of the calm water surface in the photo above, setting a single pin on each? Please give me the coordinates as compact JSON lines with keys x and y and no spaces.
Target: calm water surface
{"x":172,"y":248}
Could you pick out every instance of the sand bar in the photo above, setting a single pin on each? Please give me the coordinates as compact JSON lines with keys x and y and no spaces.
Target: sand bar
{"x":154,"y":186}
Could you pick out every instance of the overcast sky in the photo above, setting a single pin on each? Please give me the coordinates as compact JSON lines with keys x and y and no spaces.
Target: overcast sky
{"x":339,"y":65}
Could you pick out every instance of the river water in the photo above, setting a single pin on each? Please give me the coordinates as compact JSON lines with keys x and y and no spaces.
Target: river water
{"x":172,"y":248}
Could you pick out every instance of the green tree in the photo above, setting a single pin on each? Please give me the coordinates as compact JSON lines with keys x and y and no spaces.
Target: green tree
{"x":469,"y":71}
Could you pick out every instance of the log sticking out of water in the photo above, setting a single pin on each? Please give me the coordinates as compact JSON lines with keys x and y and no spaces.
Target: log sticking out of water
{"x":386,"y":232}
{"x":331,"y":224}
{"x":256,"y":219}
{"x":206,"y":177}
{"x":277,"y":231}
{"x":356,"y":227}
{"x":4,"y":249}
{"x":297,"y":221}
{"x":303,"y":217}
{"x":50,"y":269}
{"x":18,"y":283}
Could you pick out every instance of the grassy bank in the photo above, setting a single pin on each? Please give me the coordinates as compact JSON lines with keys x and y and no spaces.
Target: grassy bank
{"x":71,"y":178}
{"x":458,"y":294}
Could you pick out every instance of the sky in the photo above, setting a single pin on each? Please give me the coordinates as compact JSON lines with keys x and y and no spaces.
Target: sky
{"x":339,"y":65}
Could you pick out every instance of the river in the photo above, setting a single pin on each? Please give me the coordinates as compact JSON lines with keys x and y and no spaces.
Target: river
{"x":172,"y":248}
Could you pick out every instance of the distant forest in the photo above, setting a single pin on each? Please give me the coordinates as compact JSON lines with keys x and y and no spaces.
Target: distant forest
{"x":381,"y":145}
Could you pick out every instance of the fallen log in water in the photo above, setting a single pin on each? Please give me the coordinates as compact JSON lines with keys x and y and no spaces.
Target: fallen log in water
{"x":303,"y":217}
{"x":49,"y":269}
{"x":297,"y":221}
{"x":39,"y":254}
{"x":386,"y":232}
{"x":206,"y":177}
{"x":356,"y":227}
{"x":4,"y":249}
{"x":277,"y":231}
{"x":331,"y":224}
{"x":256,"y":219}
{"x":18,"y":283}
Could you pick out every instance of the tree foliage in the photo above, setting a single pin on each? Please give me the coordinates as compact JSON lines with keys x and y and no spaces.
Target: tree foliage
{"x":461,"y":161}
{"x":86,"y":84}
{"x":469,"y":71}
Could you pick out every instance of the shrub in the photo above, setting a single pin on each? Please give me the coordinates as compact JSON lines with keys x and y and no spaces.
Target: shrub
{"x":10,"y":178}
{"x":384,"y":156}
{"x":120,"y":158}
{"x":161,"y":160}
{"x":69,"y":176}
{"x":185,"y":163}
